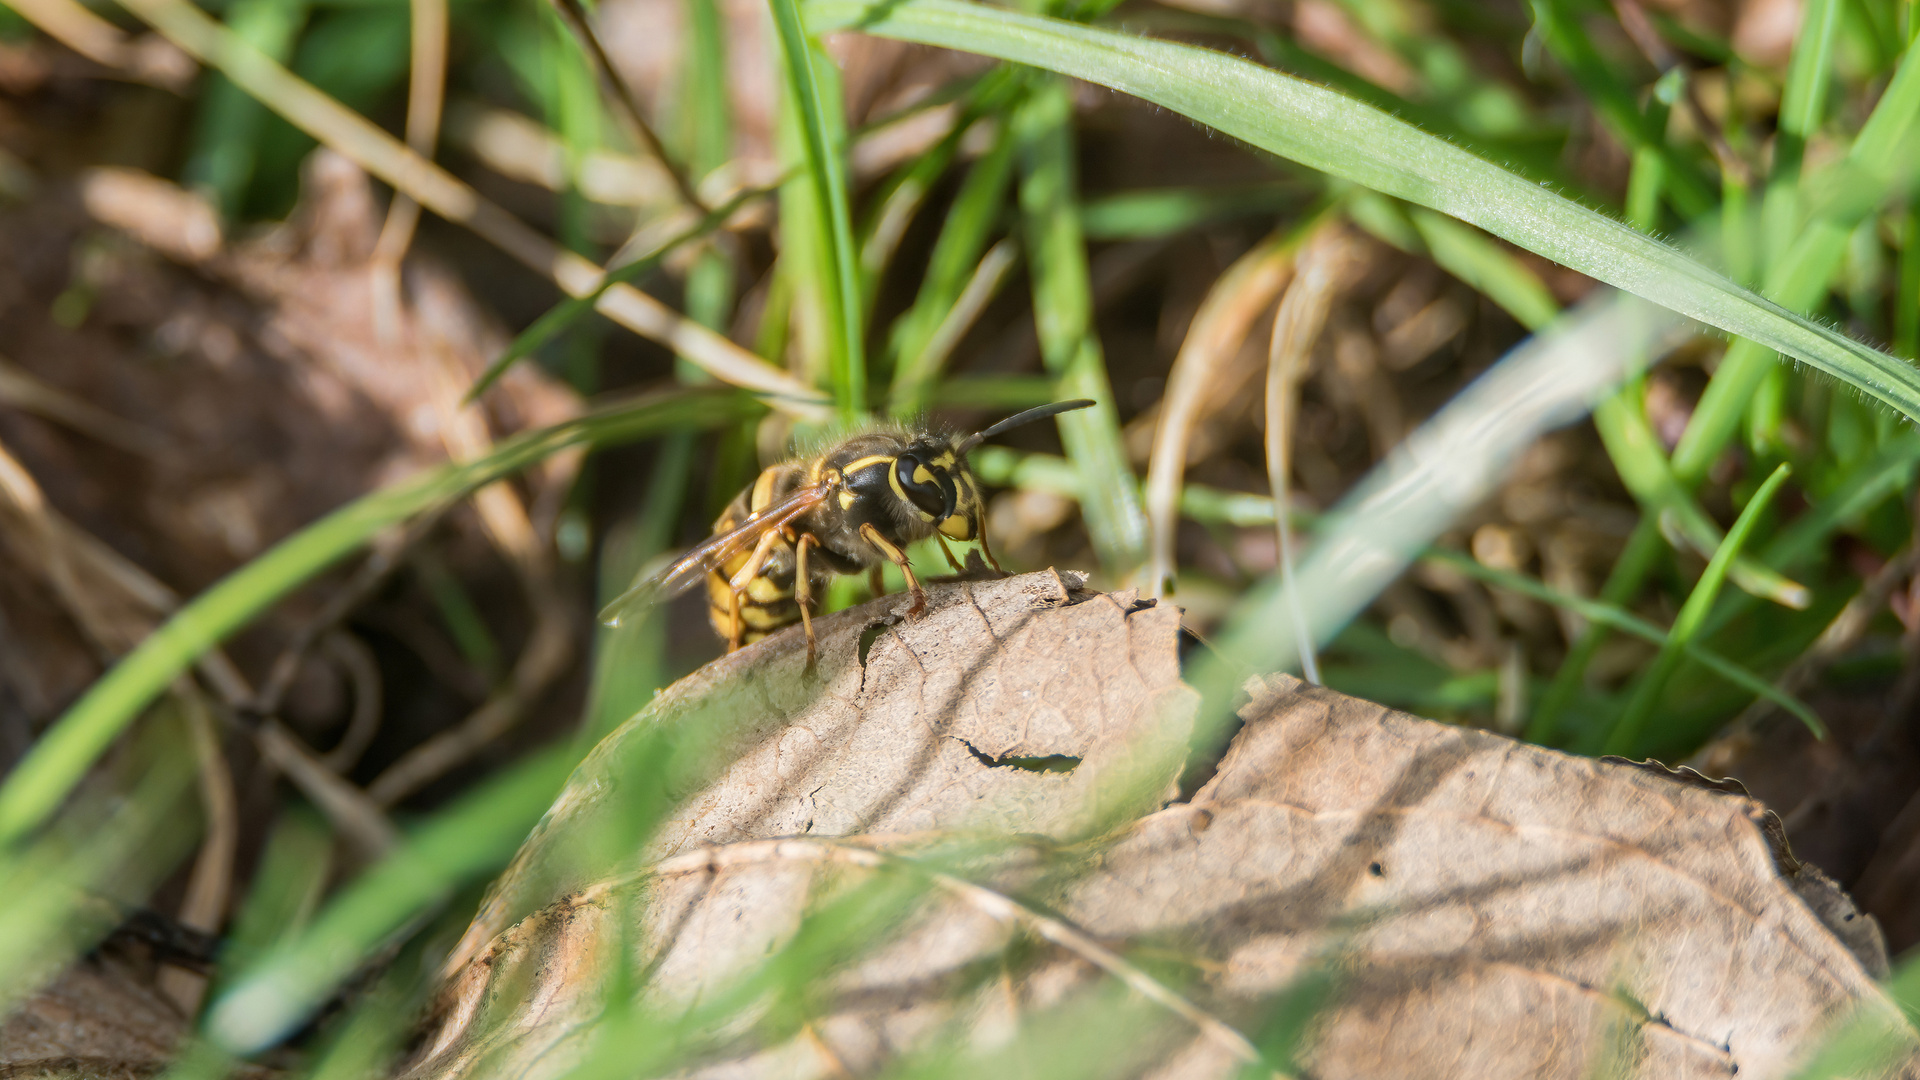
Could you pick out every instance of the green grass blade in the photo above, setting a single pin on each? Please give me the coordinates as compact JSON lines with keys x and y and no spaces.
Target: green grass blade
{"x":1473,"y":257}
{"x":1324,"y":130}
{"x":1644,"y":548}
{"x":1150,"y":214}
{"x":705,"y":108}
{"x":227,"y":131}
{"x":1635,"y":451}
{"x":1626,"y":733}
{"x":826,"y":175}
{"x":65,"y":751}
{"x":1063,"y":311}
{"x":1803,"y":274}
{"x":976,"y":212}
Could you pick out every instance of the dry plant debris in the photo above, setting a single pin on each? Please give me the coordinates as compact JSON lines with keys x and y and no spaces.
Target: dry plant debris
{"x":1479,"y":907}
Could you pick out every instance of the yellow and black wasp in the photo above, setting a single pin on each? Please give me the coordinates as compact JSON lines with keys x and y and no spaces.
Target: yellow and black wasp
{"x":855,"y":504}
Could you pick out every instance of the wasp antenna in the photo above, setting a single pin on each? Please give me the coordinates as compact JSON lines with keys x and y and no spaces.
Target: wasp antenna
{"x":1028,"y":417}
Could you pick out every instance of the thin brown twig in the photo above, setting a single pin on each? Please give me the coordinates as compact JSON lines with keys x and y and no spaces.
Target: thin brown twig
{"x":357,"y":663}
{"x":358,"y":819}
{"x":626,"y":102}
{"x":209,"y":884}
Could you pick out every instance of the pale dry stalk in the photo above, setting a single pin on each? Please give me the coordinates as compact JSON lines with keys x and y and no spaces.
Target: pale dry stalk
{"x":1218,"y":329}
{"x":1327,"y":260}
{"x":426,"y":95}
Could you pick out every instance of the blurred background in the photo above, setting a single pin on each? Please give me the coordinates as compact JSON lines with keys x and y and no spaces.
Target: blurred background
{"x":215,"y":331}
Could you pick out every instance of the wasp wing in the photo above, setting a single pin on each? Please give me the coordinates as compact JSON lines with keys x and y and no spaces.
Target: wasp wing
{"x":689,"y":569}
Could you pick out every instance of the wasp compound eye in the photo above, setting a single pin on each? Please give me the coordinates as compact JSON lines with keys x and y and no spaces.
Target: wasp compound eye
{"x":927,"y":489}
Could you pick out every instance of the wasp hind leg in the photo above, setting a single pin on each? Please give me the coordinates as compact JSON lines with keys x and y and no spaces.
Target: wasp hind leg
{"x":898,"y":558}
{"x":739,"y":584}
{"x":803,"y":591}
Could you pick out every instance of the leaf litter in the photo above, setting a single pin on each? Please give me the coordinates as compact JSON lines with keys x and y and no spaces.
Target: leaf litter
{"x":1476,"y":906}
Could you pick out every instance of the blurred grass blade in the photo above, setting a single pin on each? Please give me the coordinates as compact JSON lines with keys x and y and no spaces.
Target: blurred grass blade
{"x":1618,"y":618}
{"x":1327,"y":131}
{"x":463,"y":843}
{"x":1063,"y":312}
{"x":1625,"y":737}
{"x":822,"y":143}
{"x":102,"y":859}
{"x":65,"y":751}
{"x":1153,"y":213}
{"x":1636,"y":455}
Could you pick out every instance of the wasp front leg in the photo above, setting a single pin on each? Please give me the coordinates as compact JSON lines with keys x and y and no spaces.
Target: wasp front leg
{"x":803,"y":589}
{"x":741,"y":581}
{"x":899,"y":558}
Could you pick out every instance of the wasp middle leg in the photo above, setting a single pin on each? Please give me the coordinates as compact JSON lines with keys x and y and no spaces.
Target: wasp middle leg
{"x":741,"y":581}
{"x":803,"y":589}
{"x":899,"y":558}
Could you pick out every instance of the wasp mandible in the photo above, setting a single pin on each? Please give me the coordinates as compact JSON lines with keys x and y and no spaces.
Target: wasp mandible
{"x":848,"y":508}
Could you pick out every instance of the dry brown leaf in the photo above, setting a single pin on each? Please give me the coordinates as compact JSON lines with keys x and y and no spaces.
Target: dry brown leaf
{"x":1483,"y":908}
{"x":907,"y":725}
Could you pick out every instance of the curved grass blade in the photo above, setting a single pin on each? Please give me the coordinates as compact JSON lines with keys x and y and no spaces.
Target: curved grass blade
{"x":1693,"y":614}
{"x":65,"y":751}
{"x":1335,"y":134}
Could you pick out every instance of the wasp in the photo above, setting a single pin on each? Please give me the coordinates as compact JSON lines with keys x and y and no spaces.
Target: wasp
{"x":848,"y":508}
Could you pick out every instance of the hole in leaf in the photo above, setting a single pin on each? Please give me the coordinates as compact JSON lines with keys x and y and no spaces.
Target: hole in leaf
{"x":867,"y":637}
{"x":1048,"y":763}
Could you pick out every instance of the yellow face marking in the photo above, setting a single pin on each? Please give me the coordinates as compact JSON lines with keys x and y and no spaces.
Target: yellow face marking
{"x":958,"y":527}
{"x":847,"y":499}
{"x":857,"y":464}
{"x":945,"y":459}
{"x":921,"y":475}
